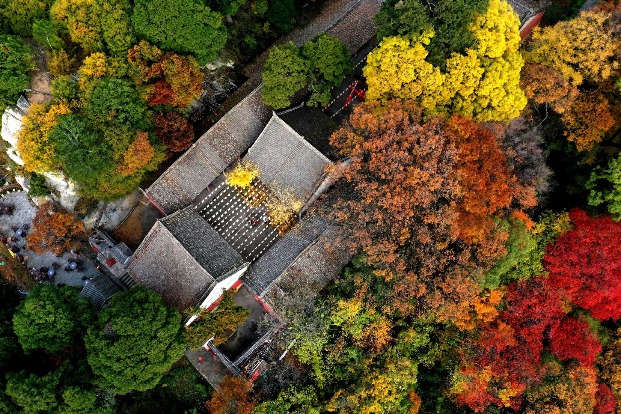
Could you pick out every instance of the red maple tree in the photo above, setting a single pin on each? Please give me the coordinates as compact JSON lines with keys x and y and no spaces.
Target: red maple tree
{"x":573,"y":339}
{"x":585,"y":265}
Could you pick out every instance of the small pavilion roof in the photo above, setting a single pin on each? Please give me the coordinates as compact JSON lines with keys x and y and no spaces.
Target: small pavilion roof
{"x":99,"y":290}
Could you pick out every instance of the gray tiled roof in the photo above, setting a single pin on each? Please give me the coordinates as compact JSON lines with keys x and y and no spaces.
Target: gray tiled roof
{"x":283,"y":253}
{"x":357,"y":26}
{"x":311,"y":271}
{"x":181,"y":257}
{"x":211,"y":154}
{"x":99,"y":290}
{"x":285,"y":159}
{"x":201,"y":241}
{"x":162,"y":264}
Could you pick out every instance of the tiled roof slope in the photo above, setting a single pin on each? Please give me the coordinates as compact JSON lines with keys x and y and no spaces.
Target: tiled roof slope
{"x":99,"y":290}
{"x":162,"y":264}
{"x":357,"y":26}
{"x":211,"y":154}
{"x":285,"y":159}
{"x":202,"y":242}
{"x":312,"y":270}
{"x":181,"y":258}
{"x":283,"y":253}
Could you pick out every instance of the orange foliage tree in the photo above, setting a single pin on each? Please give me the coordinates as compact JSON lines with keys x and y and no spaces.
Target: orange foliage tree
{"x":545,"y":85}
{"x":232,"y":398}
{"x":54,"y":230}
{"x":139,"y":155}
{"x":425,"y":200}
{"x":487,"y":184}
{"x":588,"y":120}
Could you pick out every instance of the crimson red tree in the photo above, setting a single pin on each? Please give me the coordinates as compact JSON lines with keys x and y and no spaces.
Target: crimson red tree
{"x":604,"y":400}
{"x":573,"y":339}
{"x":585,"y":265}
{"x":505,"y":358}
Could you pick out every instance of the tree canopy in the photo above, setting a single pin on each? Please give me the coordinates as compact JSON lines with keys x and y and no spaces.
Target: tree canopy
{"x":320,"y":64}
{"x":51,"y":319}
{"x":54,"y":230}
{"x":135,"y":340}
{"x":482,"y":82}
{"x":185,"y":26}
{"x":16,"y":60}
{"x":285,"y":72}
{"x":419,"y":182}
{"x":450,"y":20}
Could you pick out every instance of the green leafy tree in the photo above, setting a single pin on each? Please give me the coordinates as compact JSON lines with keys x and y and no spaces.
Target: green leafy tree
{"x":519,"y":247}
{"x":34,"y":393}
{"x":302,"y":401}
{"x":65,"y":88}
{"x":329,"y":60}
{"x":285,"y":72}
{"x":526,"y":248}
{"x":83,"y":154}
{"x":116,"y":27}
{"x":38,"y":186}
{"x":47,"y":33}
{"x":134,"y":342}
{"x":77,"y":400}
{"x":280,"y":13}
{"x":605,"y":187}
{"x":17,"y":16}
{"x":220,"y":322}
{"x":9,"y":345}
{"x":117,"y":101}
{"x":185,"y":26}
{"x":16,"y":60}
{"x":50,"y":319}
{"x":226,"y":7}
{"x":96,"y":25}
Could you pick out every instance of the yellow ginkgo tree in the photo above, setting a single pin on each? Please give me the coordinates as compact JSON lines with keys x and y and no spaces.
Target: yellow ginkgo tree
{"x":482,"y":83}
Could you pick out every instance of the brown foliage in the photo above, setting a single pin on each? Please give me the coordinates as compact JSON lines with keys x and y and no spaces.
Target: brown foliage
{"x":611,"y":366}
{"x":544,"y":85}
{"x":426,"y":194}
{"x":54,"y":230}
{"x":173,"y":130}
{"x":232,"y":398}
{"x":567,"y":391}
{"x":589,"y":120}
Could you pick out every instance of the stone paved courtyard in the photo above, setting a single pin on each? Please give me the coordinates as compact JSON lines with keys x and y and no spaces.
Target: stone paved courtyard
{"x":23,"y":214}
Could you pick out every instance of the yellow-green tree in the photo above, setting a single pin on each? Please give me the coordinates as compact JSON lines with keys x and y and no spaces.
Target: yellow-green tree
{"x":33,"y":146}
{"x":482,"y":83}
{"x":581,"y":49}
